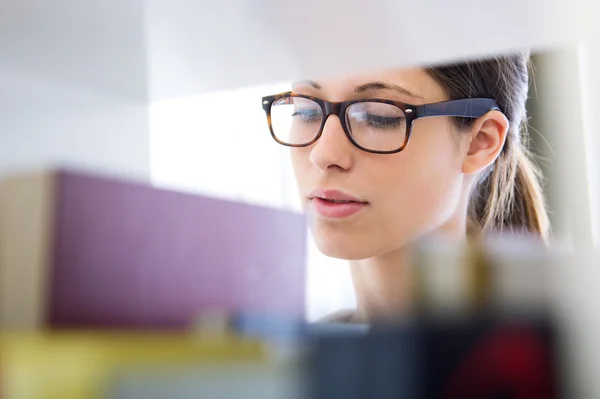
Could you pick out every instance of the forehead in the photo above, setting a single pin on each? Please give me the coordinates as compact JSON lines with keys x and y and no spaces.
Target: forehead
{"x":414,"y":80}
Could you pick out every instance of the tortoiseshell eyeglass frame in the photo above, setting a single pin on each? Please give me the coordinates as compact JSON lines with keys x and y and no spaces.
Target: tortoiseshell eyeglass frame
{"x":464,"y":108}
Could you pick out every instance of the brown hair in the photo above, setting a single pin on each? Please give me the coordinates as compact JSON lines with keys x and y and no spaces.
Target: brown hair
{"x":508,"y":196}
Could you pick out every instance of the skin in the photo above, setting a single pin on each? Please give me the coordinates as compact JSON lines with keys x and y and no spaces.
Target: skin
{"x":421,"y":191}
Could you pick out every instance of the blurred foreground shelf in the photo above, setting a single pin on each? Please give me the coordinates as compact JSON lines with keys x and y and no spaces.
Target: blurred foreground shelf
{"x":468,"y":358}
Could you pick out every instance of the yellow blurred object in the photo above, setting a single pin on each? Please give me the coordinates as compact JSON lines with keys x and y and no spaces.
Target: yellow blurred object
{"x":70,"y":365}
{"x":452,"y":278}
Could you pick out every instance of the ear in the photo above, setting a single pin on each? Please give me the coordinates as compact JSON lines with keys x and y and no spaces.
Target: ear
{"x":487,"y":138}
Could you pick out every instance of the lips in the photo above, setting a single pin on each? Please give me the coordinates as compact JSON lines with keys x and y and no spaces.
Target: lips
{"x":335,"y":204}
{"x":334,"y":196}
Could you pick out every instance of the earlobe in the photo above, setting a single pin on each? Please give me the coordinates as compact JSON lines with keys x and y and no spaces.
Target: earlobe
{"x":487,"y":138}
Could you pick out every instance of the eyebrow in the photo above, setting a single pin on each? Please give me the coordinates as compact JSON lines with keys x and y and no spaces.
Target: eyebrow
{"x":308,"y":82}
{"x":371,"y":86}
{"x":385,"y":86}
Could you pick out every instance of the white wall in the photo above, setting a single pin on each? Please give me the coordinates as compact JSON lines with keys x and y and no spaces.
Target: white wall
{"x":46,"y":123}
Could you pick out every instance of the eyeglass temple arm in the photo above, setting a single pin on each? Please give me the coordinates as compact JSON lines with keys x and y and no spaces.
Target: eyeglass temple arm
{"x":466,"y":108}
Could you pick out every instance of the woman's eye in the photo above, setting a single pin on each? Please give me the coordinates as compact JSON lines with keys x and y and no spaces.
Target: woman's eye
{"x":308,"y":115}
{"x":383,"y":122}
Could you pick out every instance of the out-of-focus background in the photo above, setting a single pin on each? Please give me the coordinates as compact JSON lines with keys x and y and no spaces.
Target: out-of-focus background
{"x":170,"y":92}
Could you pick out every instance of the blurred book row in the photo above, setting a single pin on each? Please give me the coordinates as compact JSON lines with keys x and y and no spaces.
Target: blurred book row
{"x":115,"y":289}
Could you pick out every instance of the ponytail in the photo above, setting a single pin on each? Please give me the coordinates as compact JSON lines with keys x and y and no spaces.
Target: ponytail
{"x":510,"y":197}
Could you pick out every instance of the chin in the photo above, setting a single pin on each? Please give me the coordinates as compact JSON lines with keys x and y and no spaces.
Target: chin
{"x":347,"y":249}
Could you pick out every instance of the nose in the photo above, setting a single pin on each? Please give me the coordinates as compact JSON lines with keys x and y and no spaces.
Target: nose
{"x":332,"y":150}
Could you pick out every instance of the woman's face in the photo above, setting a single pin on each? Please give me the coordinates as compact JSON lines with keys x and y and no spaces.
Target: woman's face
{"x":402,"y":196}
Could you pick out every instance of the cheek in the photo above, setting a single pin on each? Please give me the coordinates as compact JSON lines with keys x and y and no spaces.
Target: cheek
{"x":433,"y":154}
{"x":299,"y":158}
{"x":424,"y":182}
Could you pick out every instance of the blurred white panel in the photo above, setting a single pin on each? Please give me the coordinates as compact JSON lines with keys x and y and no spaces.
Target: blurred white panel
{"x":564,"y":117}
{"x":575,"y":301}
{"x":73,"y":85}
{"x":199,"y":46}
{"x":195,"y":46}
{"x":589,"y":59}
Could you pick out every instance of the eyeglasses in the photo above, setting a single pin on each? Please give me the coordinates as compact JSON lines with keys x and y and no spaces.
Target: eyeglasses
{"x":373,"y":125}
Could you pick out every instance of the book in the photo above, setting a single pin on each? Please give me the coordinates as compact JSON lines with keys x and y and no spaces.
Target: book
{"x":95,"y":365}
{"x":231,"y":380}
{"x":79,"y":250}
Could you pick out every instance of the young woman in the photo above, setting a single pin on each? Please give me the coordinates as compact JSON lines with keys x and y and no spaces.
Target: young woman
{"x":385,"y":159}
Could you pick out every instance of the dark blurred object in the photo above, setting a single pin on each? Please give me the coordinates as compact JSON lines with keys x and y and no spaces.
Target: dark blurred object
{"x":476,"y":358}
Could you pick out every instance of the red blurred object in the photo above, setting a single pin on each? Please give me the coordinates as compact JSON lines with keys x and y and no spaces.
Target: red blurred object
{"x":510,"y":363}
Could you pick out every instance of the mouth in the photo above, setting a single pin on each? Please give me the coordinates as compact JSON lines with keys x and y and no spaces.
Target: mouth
{"x":338,"y":201}
{"x":335,"y":204}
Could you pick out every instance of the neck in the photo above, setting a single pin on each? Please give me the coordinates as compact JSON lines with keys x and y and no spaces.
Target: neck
{"x":384,"y":284}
